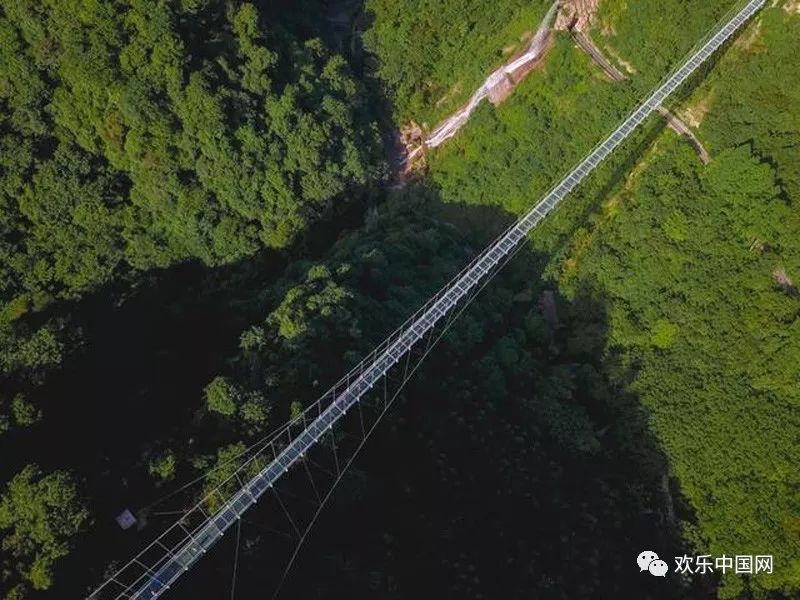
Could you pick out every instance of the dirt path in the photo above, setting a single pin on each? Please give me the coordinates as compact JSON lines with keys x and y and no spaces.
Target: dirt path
{"x":682,"y":129}
{"x":586,"y":44}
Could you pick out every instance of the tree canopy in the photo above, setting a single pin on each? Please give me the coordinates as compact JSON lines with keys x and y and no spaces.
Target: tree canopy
{"x":195,"y":226}
{"x":39,"y":516}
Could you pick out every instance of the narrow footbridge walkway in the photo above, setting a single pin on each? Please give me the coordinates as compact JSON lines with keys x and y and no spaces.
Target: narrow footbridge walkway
{"x":151,"y":573}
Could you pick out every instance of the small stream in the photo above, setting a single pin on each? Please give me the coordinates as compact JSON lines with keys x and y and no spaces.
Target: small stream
{"x":535,"y":50}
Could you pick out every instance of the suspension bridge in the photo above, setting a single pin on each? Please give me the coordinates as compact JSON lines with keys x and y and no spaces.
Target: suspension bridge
{"x":151,"y":573}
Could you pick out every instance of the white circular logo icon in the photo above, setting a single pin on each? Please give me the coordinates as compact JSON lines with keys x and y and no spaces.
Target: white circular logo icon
{"x":645,"y":558}
{"x":658,"y":568}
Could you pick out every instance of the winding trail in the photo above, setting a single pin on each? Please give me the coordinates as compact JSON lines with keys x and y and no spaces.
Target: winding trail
{"x":674,"y":122}
{"x":586,"y":44}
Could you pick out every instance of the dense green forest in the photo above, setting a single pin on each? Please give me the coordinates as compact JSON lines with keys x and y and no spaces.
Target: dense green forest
{"x":697,"y":263}
{"x":137,"y":136}
{"x":196,"y":238}
{"x":134,"y":138}
{"x":431,"y":56}
{"x":691,"y":258}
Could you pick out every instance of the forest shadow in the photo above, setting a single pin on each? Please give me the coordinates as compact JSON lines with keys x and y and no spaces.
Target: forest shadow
{"x":133,"y":386}
{"x":516,"y":464}
{"x":534,"y":476}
